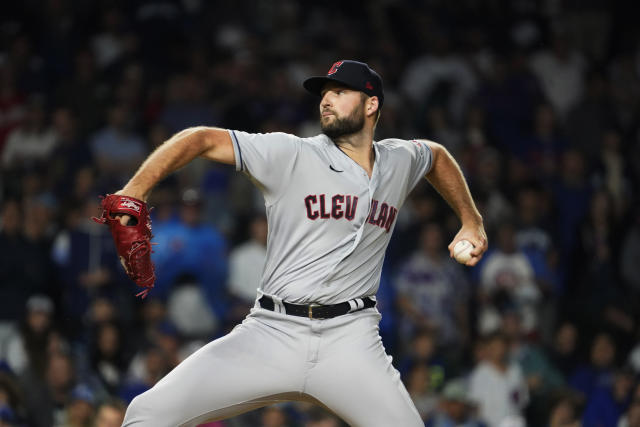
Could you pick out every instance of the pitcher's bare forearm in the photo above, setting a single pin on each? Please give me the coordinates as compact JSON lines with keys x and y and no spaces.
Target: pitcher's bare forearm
{"x":447,"y":178}
{"x":212,"y":143}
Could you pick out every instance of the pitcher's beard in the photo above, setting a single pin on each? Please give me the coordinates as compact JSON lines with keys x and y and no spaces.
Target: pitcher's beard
{"x":351,"y":124}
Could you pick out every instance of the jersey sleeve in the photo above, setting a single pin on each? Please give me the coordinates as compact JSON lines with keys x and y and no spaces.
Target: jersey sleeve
{"x":421,"y":160}
{"x":267,"y":158}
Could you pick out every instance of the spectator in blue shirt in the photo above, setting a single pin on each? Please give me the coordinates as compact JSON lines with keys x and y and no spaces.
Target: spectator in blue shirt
{"x":598,"y":374}
{"x":190,"y":246}
{"x":607,"y":405}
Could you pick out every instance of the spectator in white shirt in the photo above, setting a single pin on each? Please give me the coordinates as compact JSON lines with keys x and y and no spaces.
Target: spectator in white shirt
{"x":496,"y":385}
{"x":442,"y":66}
{"x":32,"y":142}
{"x":561,"y":73}
{"x":507,"y":277}
{"x":246,"y":262}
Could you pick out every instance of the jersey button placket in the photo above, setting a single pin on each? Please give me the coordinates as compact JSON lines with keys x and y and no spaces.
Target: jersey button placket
{"x":359,"y":176}
{"x":372,"y":183}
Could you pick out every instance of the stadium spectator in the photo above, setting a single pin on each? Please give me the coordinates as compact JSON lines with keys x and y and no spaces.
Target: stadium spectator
{"x":274,"y":416}
{"x":87,"y":264}
{"x":534,"y":239}
{"x":108,"y":45}
{"x":509,"y":393}
{"x":39,"y":229}
{"x":17,"y":282}
{"x":598,"y":373}
{"x":418,"y":381}
{"x":631,"y":418}
{"x":509,"y":96}
{"x":542,"y":150}
{"x":564,"y":348}
{"x":152,"y":313}
{"x":108,"y":356}
{"x":541,"y":376}
{"x":30,"y":145}
{"x":27,"y":348}
{"x":102,"y":310}
{"x":246,"y":262}
{"x":70,"y":154}
{"x":80,"y":409}
{"x":507,"y":279}
{"x":606,"y":405}
{"x":168,"y":339}
{"x":561,"y":72}
{"x":188,"y":310}
{"x":144,"y":371}
{"x":531,"y":212}
{"x":455,"y":408}
{"x":488,"y":183}
{"x":440,"y":77}
{"x":571,"y":192}
{"x":110,"y":413}
{"x":191,"y":246}
{"x":46,"y":397}
{"x":116,"y":148}
{"x":85,"y":92}
{"x":81,"y":190}
{"x":594,"y":263}
{"x":433,"y":291}
{"x":565,"y":411}
{"x":186,"y":104}
{"x":424,"y":351}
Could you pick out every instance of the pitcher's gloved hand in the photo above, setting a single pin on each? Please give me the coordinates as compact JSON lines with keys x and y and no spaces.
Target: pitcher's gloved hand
{"x":132,"y":237}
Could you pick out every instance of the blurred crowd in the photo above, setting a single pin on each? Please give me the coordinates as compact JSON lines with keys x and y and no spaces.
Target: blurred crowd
{"x":539,"y":101}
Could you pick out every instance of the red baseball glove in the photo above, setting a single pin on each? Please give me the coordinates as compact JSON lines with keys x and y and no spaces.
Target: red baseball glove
{"x":133,"y":241}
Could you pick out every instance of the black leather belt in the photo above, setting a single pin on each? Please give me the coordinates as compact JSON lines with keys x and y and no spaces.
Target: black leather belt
{"x":318,"y":311}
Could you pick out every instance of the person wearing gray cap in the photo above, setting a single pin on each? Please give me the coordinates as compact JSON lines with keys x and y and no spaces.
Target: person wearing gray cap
{"x":455,"y":409}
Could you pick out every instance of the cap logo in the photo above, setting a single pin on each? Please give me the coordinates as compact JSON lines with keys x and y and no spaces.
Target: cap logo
{"x":334,"y":68}
{"x":369,"y":86}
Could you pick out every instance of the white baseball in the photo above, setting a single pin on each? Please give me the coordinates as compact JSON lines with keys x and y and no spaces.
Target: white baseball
{"x":462,"y":251}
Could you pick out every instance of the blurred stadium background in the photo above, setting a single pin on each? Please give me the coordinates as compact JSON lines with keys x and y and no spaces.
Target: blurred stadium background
{"x":538,"y":100}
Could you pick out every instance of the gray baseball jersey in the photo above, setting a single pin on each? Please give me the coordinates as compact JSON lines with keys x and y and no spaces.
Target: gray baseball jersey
{"x":329,"y":223}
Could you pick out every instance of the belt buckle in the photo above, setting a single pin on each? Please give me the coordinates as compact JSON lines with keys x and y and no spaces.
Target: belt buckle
{"x":310,"y":312}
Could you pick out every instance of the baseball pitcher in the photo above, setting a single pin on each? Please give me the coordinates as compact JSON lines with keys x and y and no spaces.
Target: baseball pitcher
{"x":331,"y":202}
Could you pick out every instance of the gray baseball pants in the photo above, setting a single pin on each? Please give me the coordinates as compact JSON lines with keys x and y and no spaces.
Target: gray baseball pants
{"x":339,"y":363}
